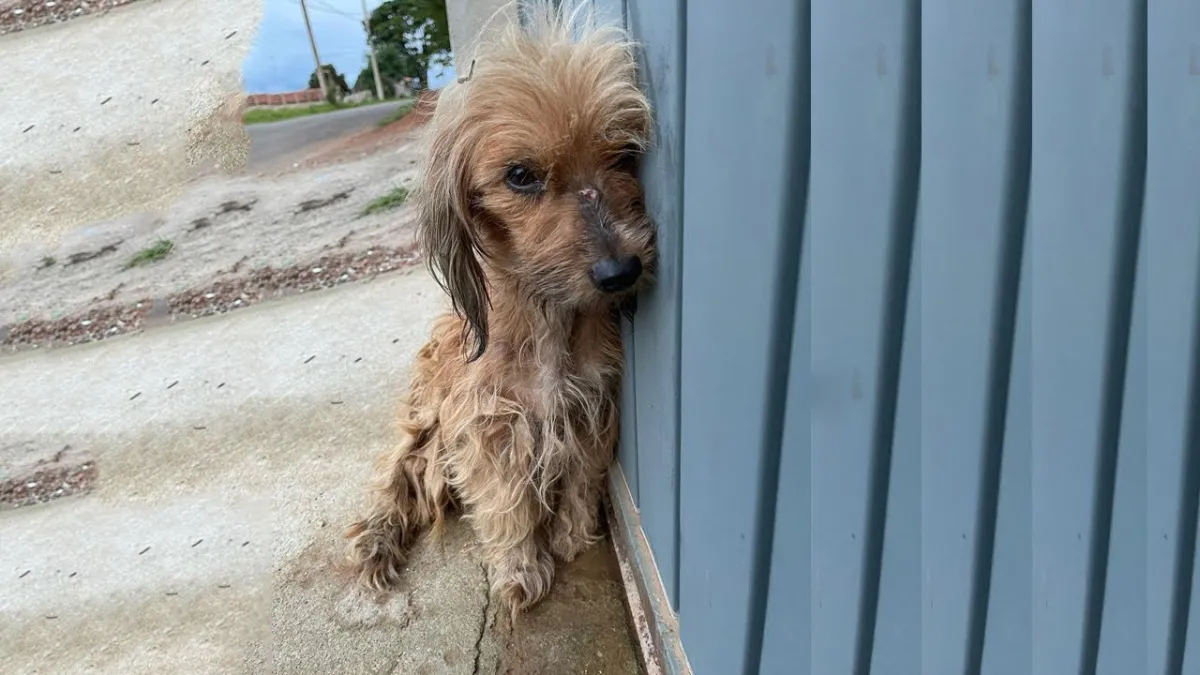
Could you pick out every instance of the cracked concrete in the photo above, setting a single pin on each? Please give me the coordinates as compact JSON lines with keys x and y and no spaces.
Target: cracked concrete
{"x":231,"y":453}
{"x":483,"y":618}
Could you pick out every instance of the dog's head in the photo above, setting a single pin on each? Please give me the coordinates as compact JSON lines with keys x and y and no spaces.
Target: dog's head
{"x":530,"y":178}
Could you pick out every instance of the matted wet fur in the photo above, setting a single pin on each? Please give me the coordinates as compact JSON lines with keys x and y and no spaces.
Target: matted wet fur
{"x":532,"y":219}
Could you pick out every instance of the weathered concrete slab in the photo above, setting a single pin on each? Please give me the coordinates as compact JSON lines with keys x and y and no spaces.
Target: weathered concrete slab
{"x":230,"y":453}
{"x":108,"y":115}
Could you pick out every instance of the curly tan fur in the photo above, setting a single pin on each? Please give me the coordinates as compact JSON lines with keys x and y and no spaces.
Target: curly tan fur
{"x":512,"y":412}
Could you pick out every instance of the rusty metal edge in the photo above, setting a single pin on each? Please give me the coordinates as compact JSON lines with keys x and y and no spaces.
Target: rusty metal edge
{"x":649,"y":607}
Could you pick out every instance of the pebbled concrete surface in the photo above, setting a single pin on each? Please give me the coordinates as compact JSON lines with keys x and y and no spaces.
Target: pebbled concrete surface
{"x":221,"y":228}
{"x":231,"y":452}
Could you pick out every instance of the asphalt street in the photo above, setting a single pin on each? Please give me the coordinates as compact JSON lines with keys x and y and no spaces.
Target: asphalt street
{"x":272,"y":142}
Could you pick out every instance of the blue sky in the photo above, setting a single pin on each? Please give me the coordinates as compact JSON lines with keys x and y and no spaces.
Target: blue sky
{"x":281,"y":58}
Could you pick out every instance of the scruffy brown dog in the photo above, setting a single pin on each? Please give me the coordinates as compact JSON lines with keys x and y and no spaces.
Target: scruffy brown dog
{"x":532,"y":219}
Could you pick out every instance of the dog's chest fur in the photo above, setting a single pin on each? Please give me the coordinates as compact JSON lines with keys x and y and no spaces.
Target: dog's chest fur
{"x":566,"y":377}
{"x":573,"y":371}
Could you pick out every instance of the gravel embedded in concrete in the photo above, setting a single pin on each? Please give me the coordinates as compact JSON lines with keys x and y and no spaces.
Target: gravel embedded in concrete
{"x":35,"y":473}
{"x":231,"y":237}
{"x":226,"y":295}
{"x":17,"y":15}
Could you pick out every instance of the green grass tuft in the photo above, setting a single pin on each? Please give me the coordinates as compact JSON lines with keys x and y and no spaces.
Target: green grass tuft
{"x":398,"y":115}
{"x":263,"y":115}
{"x":397,"y":196}
{"x":151,"y":254}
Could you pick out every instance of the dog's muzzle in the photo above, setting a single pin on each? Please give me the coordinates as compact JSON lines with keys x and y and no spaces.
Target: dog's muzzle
{"x":616,"y":274}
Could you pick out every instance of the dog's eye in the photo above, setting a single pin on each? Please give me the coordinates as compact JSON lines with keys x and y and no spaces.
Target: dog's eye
{"x":522,"y":179}
{"x":627,"y":160}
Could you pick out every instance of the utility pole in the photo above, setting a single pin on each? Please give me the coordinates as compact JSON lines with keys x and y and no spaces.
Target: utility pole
{"x":312,"y":41}
{"x":371,"y":46}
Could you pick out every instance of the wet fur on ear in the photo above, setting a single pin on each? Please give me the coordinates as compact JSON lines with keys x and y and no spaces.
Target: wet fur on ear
{"x":447,"y":230}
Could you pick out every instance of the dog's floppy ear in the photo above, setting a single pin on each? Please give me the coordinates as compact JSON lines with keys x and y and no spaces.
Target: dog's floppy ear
{"x":448,"y":233}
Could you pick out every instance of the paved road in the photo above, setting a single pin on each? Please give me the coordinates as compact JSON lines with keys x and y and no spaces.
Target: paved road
{"x":275,"y":141}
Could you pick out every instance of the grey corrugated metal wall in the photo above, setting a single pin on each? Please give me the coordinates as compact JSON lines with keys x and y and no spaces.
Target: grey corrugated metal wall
{"x":916,"y":392}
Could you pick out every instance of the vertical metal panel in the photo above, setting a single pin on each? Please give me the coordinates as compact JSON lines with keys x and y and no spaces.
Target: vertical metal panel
{"x":974,"y":165}
{"x":1008,"y":642}
{"x":659,"y":26}
{"x":1084,"y":226}
{"x":898,"y":648}
{"x":1172,"y":242}
{"x":787,"y":639}
{"x":627,"y":453}
{"x":1013,"y":485}
{"x":1123,"y":628}
{"x":741,"y":251}
{"x":609,"y":11}
{"x":861,"y":92}
{"x":1189,"y":660}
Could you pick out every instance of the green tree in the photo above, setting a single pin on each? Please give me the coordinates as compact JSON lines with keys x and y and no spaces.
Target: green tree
{"x":418,"y":28}
{"x":394,"y":65}
{"x":336,"y":80}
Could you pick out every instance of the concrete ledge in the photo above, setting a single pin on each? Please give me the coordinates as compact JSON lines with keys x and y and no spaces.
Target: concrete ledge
{"x":655,"y":622}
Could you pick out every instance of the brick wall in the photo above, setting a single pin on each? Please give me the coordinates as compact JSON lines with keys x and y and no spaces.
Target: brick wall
{"x":288,"y":98}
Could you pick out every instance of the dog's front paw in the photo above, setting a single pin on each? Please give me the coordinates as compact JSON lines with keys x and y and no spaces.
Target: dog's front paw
{"x":576,"y":527}
{"x":376,"y":556}
{"x":519,"y":597}
{"x":524,"y":584}
{"x":567,"y":544}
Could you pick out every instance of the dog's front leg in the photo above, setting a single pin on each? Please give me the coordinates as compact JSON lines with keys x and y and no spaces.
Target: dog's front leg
{"x":519,"y":560}
{"x":492,"y":475}
{"x":410,"y":496}
{"x":507,"y":519}
{"x":576,"y":523}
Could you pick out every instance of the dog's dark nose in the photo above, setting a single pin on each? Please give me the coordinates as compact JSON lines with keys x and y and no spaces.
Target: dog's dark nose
{"x":615,"y":274}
